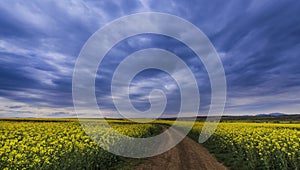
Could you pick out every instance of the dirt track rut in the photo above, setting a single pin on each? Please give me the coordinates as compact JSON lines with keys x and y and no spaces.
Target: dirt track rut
{"x":187,"y":155}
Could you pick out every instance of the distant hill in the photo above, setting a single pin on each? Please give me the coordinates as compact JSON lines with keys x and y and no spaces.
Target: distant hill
{"x":271,"y":114}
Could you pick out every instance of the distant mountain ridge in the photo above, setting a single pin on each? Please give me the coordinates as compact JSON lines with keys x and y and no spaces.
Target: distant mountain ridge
{"x":271,"y":114}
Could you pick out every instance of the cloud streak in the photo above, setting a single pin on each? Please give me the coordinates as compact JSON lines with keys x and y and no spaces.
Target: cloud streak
{"x":258,"y":43}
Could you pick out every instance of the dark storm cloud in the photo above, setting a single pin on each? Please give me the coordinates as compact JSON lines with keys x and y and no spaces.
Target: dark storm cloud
{"x":39,"y":44}
{"x":62,"y":114}
{"x":262,"y":49}
{"x":15,"y":107}
{"x":258,"y":43}
{"x":152,"y":79}
{"x":33,"y":81}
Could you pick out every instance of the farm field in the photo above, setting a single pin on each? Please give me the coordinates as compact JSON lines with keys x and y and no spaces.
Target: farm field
{"x":241,"y":145}
{"x":63,"y":144}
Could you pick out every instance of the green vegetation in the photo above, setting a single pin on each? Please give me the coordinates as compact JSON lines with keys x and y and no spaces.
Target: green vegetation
{"x":60,"y":144}
{"x":63,"y":143}
{"x":254,"y":145}
{"x":259,"y":143}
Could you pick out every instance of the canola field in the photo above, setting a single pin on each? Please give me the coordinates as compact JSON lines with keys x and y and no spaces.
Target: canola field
{"x":59,"y":145}
{"x":255,"y":145}
{"x":63,"y":144}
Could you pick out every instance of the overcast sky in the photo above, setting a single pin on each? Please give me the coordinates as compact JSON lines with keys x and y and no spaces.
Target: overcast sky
{"x":258,"y":42}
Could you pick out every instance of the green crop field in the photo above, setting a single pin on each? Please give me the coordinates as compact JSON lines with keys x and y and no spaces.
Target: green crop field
{"x":243,"y":145}
{"x":63,"y":144}
{"x":59,"y":144}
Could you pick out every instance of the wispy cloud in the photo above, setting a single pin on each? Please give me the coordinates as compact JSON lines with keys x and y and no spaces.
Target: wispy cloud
{"x":258,"y":43}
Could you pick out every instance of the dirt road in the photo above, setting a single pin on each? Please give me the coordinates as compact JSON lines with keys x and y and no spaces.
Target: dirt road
{"x":187,"y":155}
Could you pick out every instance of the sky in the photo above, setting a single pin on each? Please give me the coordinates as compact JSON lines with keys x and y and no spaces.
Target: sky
{"x":258,"y":42}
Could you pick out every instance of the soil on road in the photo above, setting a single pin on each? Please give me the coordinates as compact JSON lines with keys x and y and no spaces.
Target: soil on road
{"x":187,"y":155}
